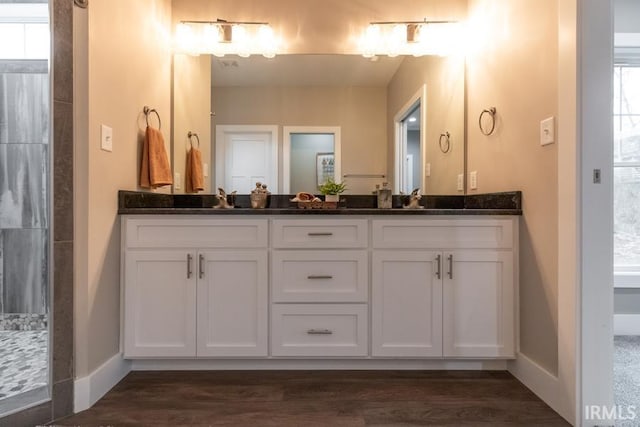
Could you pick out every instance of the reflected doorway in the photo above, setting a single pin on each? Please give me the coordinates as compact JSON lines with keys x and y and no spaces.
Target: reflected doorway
{"x":311,"y":155}
{"x":409,"y":145}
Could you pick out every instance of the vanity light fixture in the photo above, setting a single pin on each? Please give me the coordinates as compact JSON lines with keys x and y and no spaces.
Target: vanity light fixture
{"x":415,"y":38}
{"x":221,"y":37}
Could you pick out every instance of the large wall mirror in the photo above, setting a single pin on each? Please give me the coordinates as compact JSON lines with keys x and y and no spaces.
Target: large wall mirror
{"x":295,"y":120}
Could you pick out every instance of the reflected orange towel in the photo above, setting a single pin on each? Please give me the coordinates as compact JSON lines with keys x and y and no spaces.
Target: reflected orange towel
{"x":155,"y":170}
{"x":194,"y":175}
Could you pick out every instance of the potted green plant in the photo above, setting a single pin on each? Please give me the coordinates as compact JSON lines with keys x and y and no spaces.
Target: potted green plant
{"x":332,"y":190}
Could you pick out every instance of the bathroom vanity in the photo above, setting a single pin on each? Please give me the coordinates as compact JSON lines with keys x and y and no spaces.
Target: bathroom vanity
{"x":285,"y":285}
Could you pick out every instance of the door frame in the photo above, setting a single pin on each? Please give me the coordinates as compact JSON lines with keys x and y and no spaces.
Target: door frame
{"x":219,"y":154}
{"x":420,"y":97}
{"x":286,"y":151}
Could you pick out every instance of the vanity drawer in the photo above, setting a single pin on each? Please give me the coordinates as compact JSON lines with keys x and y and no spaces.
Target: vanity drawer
{"x":320,"y":233}
{"x":320,"y":276}
{"x":322,"y":330}
{"x":195,"y":232}
{"x":442,"y":234}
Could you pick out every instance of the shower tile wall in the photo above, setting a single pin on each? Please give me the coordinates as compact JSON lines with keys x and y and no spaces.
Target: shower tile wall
{"x":24,"y":135}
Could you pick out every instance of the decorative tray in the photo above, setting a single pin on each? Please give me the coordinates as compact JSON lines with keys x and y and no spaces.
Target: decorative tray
{"x":317,"y":205}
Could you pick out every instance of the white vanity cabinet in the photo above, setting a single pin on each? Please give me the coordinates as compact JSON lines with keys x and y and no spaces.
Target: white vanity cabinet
{"x":319,"y":287}
{"x":322,"y":266}
{"x":452,"y":295}
{"x":195,"y":287}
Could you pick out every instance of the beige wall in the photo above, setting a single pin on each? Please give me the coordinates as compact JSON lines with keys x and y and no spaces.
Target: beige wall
{"x":359,"y":111}
{"x":318,"y":26}
{"x":128,"y":62}
{"x":191,"y":112}
{"x":514,"y":67}
{"x":444,"y":80}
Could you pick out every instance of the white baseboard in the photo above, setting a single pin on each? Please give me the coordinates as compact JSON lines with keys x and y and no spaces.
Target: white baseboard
{"x":626,"y":324}
{"x":544,"y":384}
{"x":88,"y":390}
{"x":315,"y":364}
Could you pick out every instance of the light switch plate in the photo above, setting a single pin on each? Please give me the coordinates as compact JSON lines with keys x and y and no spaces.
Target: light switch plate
{"x":460,"y":184}
{"x":205,"y":170}
{"x":548,"y":131}
{"x":473,"y":180}
{"x":427,"y":170}
{"x":176,"y":181}
{"x":106,"y":138}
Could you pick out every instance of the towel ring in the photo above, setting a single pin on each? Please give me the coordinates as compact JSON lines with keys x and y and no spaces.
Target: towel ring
{"x":146,"y":110}
{"x":492,"y":113}
{"x":447,"y":139}
{"x":191,"y":135}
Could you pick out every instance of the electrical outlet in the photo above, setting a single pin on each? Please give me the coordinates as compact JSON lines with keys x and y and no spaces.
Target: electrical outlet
{"x":427,"y":170}
{"x":106,"y":138}
{"x":460,"y":184}
{"x":177,"y":183}
{"x":473,"y":180}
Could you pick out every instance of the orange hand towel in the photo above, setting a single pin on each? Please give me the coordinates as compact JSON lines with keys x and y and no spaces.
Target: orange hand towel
{"x":195,"y":177}
{"x":155,"y":170}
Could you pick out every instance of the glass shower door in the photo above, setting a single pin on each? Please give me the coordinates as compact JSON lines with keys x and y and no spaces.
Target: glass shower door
{"x":24,"y":204}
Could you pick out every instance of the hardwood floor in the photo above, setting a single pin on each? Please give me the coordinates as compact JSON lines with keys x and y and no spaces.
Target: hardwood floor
{"x":318,"y":398}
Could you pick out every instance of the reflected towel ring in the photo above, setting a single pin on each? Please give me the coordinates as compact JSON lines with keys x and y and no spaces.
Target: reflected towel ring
{"x":447,"y":139}
{"x":191,"y":135}
{"x":492,"y":113}
{"x":146,"y":110}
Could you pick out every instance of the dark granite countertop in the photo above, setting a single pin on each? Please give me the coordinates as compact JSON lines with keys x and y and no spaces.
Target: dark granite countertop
{"x":146,"y":203}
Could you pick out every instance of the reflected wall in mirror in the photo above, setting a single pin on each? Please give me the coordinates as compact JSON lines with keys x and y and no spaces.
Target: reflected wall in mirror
{"x":358,"y":96}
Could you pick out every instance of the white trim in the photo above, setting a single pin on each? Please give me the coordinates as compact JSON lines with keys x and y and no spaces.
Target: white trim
{"x":626,"y":279}
{"x":626,"y":40}
{"x":218,"y":155}
{"x":626,"y":324}
{"x":544,"y":384}
{"x":317,"y":364}
{"x":88,"y":390}
{"x":418,"y":98}
{"x":286,"y":151}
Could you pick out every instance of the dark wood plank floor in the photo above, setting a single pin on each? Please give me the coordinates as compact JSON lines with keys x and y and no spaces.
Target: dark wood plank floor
{"x":318,"y":398}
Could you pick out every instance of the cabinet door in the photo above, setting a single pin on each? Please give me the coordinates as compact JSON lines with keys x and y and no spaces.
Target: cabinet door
{"x":232,"y":303}
{"x":159,"y":301}
{"x":406,"y":304}
{"x":478,"y":304}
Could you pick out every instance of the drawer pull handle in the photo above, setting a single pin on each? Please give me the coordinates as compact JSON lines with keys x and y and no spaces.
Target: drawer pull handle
{"x":319,"y":234}
{"x":189,"y":259}
{"x":450,"y":272}
{"x":319,"y":277}
{"x":438,"y":262}
{"x":201,"y":266}
{"x":319,"y":332}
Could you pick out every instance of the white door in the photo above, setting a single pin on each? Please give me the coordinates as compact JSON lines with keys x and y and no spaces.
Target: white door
{"x":246,"y":155}
{"x":478,"y":304}
{"x":160,"y":296}
{"x":232,"y":303}
{"x":407,"y":304}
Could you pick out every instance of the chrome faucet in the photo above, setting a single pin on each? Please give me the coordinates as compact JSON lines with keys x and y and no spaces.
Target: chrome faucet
{"x":414,"y":200}
{"x":223,"y":201}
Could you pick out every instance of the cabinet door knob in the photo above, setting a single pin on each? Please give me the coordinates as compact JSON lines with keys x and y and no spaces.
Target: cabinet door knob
{"x":319,"y":332}
{"x":201,"y":266}
{"x":189,"y":259}
{"x":450,"y":272}
{"x":438,"y":262}
{"x":319,"y":277}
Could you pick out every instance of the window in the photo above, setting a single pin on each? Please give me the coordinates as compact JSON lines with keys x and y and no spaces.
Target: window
{"x":626,"y":125}
{"x":26,"y":26}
